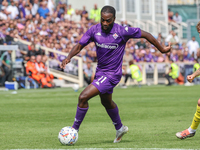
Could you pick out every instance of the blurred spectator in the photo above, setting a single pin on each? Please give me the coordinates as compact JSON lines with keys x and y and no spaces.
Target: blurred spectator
{"x":177,"y":18}
{"x":31,"y":52}
{"x":160,"y":38}
{"x":95,"y":13}
{"x":35,"y":74}
{"x":127,"y":56}
{"x":160,"y":57}
{"x":76,"y":17}
{"x":47,"y":79}
{"x":173,"y":38}
{"x":141,"y":44}
{"x":193,"y":46}
{"x":28,"y":8}
{"x":148,"y":56}
{"x":186,"y":55}
{"x":124,"y":23}
{"x":180,"y":55}
{"x":70,"y":10}
{"x":43,"y":10}
{"x":84,"y":13}
{"x":35,"y":8}
{"x":173,"y":55}
{"x":6,"y":65}
{"x":13,"y":11}
{"x":173,"y":72}
{"x":3,"y":15}
{"x":135,"y":73}
{"x":22,"y":9}
{"x":170,"y":15}
{"x":51,"y":6}
{"x":88,"y":73}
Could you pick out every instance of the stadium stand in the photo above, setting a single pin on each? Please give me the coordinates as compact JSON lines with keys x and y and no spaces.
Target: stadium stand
{"x":54,"y":34}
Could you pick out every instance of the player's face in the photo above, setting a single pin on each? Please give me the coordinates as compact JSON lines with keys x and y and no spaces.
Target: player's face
{"x":107,"y":22}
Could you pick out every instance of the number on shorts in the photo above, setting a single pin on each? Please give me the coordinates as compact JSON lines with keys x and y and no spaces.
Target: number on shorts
{"x":102,"y":79}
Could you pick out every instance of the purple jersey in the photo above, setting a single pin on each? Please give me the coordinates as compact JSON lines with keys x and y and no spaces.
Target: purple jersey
{"x":155,"y":58}
{"x":110,"y":48}
{"x":174,"y":57}
{"x":148,"y":57}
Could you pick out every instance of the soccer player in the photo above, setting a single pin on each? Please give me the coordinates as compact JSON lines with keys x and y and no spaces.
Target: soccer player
{"x":190,"y":132}
{"x":110,"y":40}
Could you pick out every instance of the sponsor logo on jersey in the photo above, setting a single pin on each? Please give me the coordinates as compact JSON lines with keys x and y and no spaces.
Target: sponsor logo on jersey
{"x":107,"y":45}
{"x":98,"y":34}
{"x":115,"y":35}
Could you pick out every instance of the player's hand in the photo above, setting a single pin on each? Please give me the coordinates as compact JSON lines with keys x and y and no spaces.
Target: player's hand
{"x":190,"y":78}
{"x":64,"y":62}
{"x":167,"y":49}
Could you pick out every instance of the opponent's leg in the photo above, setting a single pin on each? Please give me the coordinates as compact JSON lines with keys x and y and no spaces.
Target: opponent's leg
{"x":190,"y":132}
{"x":89,"y":92}
{"x":113,"y":112}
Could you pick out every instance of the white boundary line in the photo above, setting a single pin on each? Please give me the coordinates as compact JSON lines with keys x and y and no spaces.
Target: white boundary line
{"x":112,"y":149}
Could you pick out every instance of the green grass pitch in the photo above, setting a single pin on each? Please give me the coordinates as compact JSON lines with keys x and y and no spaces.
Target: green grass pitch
{"x":31,"y":119}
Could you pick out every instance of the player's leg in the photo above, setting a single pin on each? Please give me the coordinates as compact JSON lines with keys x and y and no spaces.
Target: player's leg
{"x":190,"y":132}
{"x":89,"y":92}
{"x":113,"y":112}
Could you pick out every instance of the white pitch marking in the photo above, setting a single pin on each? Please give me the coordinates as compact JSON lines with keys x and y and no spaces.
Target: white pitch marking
{"x":112,"y":149}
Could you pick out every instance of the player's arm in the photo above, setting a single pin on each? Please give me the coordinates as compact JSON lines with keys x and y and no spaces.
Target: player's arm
{"x":75,"y":50}
{"x":86,"y":39}
{"x":191,"y":77}
{"x":153,"y":41}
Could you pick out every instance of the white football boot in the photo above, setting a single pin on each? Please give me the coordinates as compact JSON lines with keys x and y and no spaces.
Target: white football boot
{"x":120,"y":133}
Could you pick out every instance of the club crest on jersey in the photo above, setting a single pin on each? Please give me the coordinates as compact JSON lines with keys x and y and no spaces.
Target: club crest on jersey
{"x":115,"y":35}
{"x":98,"y":33}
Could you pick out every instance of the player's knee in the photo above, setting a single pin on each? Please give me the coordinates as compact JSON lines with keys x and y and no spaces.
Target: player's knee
{"x":199,"y":102}
{"x":83,"y":98}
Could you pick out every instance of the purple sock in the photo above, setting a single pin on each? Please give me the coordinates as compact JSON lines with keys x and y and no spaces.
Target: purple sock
{"x":114,"y":115}
{"x":80,"y":114}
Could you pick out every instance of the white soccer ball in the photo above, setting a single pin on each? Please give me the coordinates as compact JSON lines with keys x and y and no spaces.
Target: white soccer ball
{"x":75,"y":87}
{"x":68,"y":136}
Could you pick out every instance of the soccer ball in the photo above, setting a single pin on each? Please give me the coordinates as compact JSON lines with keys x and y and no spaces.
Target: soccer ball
{"x":75,"y":87}
{"x":68,"y":136}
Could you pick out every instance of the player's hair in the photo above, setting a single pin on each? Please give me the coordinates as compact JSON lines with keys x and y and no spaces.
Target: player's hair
{"x":108,"y":9}
{"x":198,"y":25}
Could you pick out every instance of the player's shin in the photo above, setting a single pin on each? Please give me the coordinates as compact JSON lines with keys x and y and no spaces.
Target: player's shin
{"x":196,"y":119}
{"x":80,"y":114}
{"x":114,"y":115}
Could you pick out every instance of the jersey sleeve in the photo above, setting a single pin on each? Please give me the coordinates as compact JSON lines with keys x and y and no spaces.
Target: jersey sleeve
{"x":130,"y":32}
{"x":87,"y":37}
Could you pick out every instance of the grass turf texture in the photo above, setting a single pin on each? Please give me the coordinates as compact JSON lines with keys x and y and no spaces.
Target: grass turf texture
{"x":32,"y":118}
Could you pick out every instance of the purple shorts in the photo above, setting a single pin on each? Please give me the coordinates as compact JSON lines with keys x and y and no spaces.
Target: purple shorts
{"x":103,"y":84}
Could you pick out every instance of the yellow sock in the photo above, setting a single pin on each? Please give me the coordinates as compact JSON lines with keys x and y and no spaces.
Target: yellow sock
{"x":196,"y":119}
